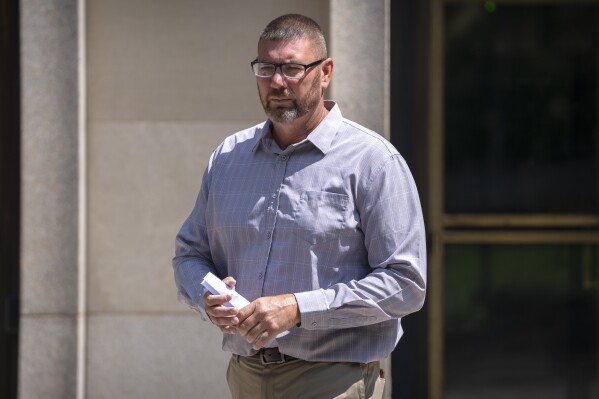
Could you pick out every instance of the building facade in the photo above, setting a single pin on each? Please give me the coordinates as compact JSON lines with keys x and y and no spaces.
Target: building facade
{"x":110,"y":110}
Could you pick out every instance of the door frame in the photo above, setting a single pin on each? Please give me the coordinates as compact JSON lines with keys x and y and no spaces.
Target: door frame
{"x":10,"y":198}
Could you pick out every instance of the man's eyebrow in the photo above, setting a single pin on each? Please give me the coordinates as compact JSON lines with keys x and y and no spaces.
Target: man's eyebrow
{"x":273,"y":62}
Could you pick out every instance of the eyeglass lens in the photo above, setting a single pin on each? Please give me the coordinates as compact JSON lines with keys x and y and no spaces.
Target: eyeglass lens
{"x":290,"y":70}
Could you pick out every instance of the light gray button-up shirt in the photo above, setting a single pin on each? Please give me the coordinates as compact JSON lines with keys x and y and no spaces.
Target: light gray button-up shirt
{"x":334,"y":219}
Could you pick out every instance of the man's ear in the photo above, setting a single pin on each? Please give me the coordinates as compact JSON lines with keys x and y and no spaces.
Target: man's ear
{"x":327,"y":73}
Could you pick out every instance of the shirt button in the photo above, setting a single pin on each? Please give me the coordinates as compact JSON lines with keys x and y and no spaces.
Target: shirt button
{"x":283,"y":157}
{"x":274,"y":196}
{"x":314,"y":324}
{"x":260,"y":276}
{"x":268,"y":235}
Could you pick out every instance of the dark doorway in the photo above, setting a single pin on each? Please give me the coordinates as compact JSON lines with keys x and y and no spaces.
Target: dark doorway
{"x":495,"y":106}
{"x":409,"y":124}
{"x":9,"y":196}
{"x":520,"y":193}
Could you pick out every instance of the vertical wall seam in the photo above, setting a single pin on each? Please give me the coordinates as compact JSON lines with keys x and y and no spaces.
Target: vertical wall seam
{"x":82,"y":203}
{"x":388,"y":364}
{"x":387,"y":72}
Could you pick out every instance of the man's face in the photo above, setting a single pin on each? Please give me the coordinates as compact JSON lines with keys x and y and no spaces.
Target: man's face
{"x":285,"y":100}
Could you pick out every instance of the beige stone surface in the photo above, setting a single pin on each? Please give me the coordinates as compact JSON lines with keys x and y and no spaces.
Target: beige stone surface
{"x":155,"y":356}
{"x":47,"y":357}
{"x":143,"y":182}
{"x":181,"y":60}
{"x":49,"y":137}
{"x":360,"y":53}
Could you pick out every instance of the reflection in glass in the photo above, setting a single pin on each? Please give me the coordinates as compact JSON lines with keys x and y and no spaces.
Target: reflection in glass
{"x":521,"y":321}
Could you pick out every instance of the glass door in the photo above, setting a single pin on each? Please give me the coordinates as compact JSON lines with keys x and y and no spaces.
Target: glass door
{"x":514,"y":199}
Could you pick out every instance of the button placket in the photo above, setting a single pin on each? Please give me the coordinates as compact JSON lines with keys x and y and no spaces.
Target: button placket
{"x":273,"y":206}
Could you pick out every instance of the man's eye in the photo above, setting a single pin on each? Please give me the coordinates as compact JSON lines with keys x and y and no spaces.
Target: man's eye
{"x":293,"y":70}
{"x":266,"y":69}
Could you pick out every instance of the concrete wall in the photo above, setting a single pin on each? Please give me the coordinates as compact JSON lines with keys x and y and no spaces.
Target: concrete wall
{"x":112,"y":165}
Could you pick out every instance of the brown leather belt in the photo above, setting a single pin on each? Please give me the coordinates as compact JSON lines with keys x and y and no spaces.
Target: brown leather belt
{"x":270,"y":356}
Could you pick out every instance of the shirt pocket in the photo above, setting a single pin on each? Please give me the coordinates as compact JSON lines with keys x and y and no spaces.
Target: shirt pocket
{"x":320,"y":215}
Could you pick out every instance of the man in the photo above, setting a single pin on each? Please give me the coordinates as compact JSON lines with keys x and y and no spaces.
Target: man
{"x":315,"y":220}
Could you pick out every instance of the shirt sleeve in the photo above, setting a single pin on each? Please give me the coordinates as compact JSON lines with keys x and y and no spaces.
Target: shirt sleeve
{"x":394,"y":237}
{"x":192,"y":254}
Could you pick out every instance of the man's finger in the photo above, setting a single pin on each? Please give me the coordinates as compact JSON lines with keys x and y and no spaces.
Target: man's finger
{"x":228,"y":329}
{"x":263,"y":339}
{"x":224,"y":321}
{"x":221,"y":311}
{"x":230,"y":281}
{"x":231,"y":330}
{"x":246,"y":311}
{"x":250,"y":327}
{"x":214,"y":300}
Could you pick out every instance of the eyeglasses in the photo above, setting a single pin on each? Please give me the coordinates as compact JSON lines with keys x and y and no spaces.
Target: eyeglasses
{"x":291,"y":70}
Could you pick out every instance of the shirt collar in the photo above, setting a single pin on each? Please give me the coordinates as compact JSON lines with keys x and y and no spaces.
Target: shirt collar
{"x":322,"y":136}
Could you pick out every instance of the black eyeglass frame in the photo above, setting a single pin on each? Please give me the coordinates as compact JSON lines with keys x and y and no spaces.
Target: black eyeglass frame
{"x":280,"y":66}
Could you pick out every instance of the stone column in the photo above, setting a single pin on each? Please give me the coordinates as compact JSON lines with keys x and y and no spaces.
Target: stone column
{"x":50,"y":199}
{"x":359,"y":44}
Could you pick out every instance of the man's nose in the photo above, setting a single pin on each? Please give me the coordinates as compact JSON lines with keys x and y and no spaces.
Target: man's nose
{"x":278,"y":79}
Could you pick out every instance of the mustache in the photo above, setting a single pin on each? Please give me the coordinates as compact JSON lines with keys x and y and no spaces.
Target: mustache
{"x":281,"y":93}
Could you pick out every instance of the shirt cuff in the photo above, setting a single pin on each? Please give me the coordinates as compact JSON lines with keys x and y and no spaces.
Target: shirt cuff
{"x":313,"y":307}
{"x":193,"y":305}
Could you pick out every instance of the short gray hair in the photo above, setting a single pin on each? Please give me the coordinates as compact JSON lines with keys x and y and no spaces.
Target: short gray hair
{"x":296,"y":27}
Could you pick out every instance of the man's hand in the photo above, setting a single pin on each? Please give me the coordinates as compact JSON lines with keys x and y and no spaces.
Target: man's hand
{"x":223,"y":317}
{"x":265,"y":318}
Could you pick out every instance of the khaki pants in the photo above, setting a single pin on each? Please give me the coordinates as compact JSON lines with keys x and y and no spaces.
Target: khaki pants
{"x":298,"y":379}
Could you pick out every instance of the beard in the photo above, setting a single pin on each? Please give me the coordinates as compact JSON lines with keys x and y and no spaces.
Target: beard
{"x":298,"y":107}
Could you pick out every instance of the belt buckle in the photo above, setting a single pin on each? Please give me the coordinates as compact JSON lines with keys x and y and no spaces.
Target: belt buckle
{"x":266,"y":362}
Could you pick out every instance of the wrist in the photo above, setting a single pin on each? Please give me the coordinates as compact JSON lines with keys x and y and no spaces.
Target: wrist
{"x":298,"y":316}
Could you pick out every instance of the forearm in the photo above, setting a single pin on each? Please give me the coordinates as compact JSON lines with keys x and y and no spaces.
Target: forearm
{"x":190,"y":265}
{"x":188,"y":278}
{"x":384,"y":294}
{"x":192,"y":256}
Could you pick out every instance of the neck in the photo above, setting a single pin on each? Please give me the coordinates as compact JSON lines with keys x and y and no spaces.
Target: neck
{"x":286,"y":134}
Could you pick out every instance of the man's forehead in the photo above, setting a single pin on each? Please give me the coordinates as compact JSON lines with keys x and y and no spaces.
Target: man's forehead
{"x":285,"y":48}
